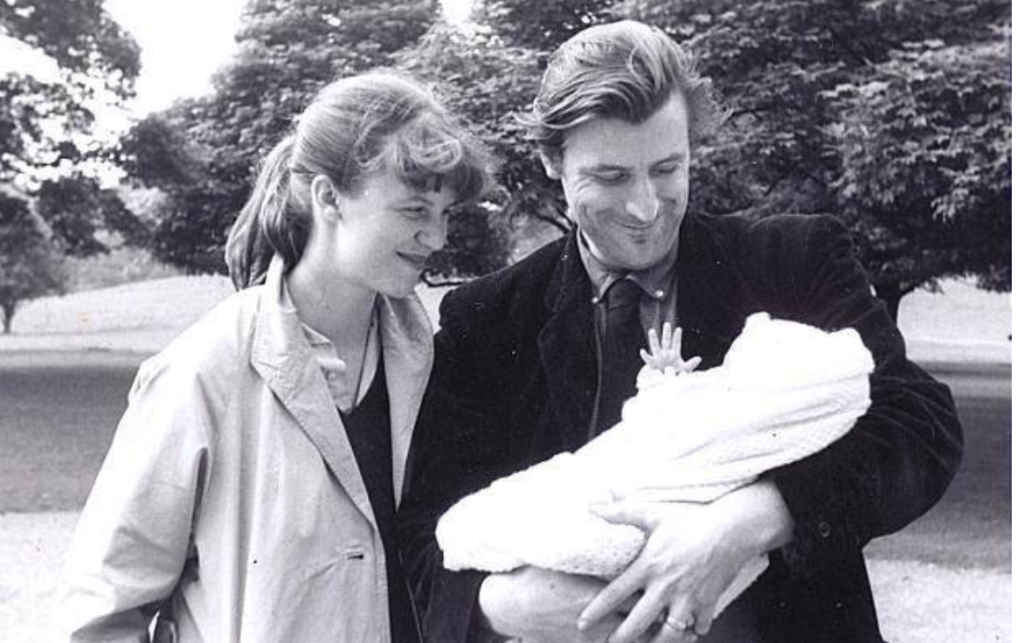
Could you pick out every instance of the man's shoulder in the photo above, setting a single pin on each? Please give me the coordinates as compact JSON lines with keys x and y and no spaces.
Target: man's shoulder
{"x":757,"y":240}
{"x":754,"y":227}
{"x":522,"y":284}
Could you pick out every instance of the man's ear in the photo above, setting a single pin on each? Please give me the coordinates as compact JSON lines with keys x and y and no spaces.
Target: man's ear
{"x":324,"y":196}
{"x":552,"y":162}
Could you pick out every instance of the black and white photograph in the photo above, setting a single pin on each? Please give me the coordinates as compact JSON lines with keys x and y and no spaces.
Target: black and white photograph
{"x":541,"y":321}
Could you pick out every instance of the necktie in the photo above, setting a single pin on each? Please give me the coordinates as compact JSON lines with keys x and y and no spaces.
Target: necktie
{"x":620,"y":351}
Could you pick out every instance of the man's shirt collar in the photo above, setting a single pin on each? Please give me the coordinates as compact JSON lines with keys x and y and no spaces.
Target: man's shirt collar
{"x":654,"y":280}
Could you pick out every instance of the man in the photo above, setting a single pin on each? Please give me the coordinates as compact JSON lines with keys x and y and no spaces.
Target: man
{"x":534,"y":360}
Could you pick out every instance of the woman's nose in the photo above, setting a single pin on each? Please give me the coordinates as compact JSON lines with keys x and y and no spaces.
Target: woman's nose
{"x":435,"y":235}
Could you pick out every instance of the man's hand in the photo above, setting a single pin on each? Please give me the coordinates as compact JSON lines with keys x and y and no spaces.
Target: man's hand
{"x":693,"y":553}
{"x":540,"y":605}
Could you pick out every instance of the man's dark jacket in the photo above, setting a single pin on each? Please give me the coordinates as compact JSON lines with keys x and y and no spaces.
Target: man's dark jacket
{"x":514,"y":381}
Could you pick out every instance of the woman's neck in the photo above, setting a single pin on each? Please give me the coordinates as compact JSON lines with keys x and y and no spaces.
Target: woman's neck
{"x":332,"y":305}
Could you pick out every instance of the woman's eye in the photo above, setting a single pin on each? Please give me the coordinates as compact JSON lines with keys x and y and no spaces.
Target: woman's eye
{"x":665,"y":170}
{"x":416,"y":213}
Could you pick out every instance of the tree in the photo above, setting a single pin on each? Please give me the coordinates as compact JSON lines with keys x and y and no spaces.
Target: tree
{"x":29,"y":265}
{"x":540,"y":24}
{"x":48,"y":148}
{"x":933,"y":132}
{"x":801,"y":77}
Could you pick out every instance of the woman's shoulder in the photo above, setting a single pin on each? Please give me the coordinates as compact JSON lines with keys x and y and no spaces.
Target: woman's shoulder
{"x":216,"y":345}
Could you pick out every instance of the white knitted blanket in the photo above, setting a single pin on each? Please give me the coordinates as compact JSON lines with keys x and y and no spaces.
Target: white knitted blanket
{"x":784,"y":391}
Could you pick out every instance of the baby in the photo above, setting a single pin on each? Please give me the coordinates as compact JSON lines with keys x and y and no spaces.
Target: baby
{"x":784,"y":390}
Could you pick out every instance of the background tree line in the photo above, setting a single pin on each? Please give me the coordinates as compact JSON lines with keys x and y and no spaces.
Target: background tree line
{"x":893,"y":115}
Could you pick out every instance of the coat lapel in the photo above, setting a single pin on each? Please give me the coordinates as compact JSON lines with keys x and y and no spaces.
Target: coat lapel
{"x":284,"y":359}
{"x":568,"y":348}
{"x":408,"y":346}
{"x":712,"y":302}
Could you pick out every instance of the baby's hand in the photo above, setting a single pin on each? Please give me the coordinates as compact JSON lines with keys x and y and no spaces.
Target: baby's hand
{"x":666,"y":354}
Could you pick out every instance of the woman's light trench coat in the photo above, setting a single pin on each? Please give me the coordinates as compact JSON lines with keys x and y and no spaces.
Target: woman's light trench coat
{"x":231,"y":487}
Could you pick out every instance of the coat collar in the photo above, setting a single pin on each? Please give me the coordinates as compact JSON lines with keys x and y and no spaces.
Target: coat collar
{"x":284,"y":359}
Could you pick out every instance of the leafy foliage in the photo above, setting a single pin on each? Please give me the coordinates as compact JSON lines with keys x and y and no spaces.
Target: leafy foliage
{"x":47,"y":123}
{"x":933,"y":132}
{"x":79,"y":35}
{"x":540,"y":24}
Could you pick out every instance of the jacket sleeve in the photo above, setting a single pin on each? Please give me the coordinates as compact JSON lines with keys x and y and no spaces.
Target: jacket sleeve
{"x":453,"y":453}
{"x":132,"y":539}
{"x":902,"y":454}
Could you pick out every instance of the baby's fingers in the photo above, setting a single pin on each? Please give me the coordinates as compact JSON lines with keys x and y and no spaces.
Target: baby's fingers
{"x":691,"y":364}
{"x":666,"y":336}
{"x":652,"y":340}
{"x":647,"y":357}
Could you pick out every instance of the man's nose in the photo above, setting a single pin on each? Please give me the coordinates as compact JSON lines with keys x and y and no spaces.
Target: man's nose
{"x":434,"y":235}
{"x":642,"y":203}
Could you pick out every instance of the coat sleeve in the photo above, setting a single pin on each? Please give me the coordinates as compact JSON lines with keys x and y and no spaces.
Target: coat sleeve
{"x":452,"y":454}
{"x":902,"y":454}
{"x":132,"y":539}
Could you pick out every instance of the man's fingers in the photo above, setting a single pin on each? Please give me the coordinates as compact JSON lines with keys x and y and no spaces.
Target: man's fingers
{"x":609,"y":598}
{"x":705,"y":616}
{"x":625,"y":513}
{"x":640,"y":618}
{"x":692,"y":363}
{"x":675,"y":629}
{"x":677,"y":341}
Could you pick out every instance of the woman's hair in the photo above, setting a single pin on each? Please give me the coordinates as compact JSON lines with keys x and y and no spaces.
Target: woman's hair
{"x":357,"y":126}
{"x":624,"y":70}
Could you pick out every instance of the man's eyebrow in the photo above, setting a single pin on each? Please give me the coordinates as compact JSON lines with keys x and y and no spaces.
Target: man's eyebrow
{"x":675,"y":157}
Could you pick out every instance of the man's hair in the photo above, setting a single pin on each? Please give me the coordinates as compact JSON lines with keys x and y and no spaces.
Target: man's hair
{"x":625,"y":70}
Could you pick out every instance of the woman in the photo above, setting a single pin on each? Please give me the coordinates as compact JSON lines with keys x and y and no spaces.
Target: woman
{"x":250,"y":489}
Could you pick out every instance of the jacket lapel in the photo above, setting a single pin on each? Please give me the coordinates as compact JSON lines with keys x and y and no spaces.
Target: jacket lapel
{"x":284,"y":359}
{"x":568,"y":348}
{"x":408,"y":347}
{"x":712,"y":302}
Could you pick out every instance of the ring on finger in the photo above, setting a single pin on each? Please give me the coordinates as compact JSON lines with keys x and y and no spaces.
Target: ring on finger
{"x":675,"y":624}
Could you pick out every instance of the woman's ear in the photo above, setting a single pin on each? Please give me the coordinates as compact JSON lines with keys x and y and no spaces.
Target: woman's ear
{"x":324,"y":196}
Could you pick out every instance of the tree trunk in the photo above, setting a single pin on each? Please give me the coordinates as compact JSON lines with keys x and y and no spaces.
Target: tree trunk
{"x":8,"y":310}
{"x":891,"y":294}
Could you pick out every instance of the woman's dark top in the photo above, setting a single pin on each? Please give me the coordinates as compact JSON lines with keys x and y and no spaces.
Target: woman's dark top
{"x":368,"y":426}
